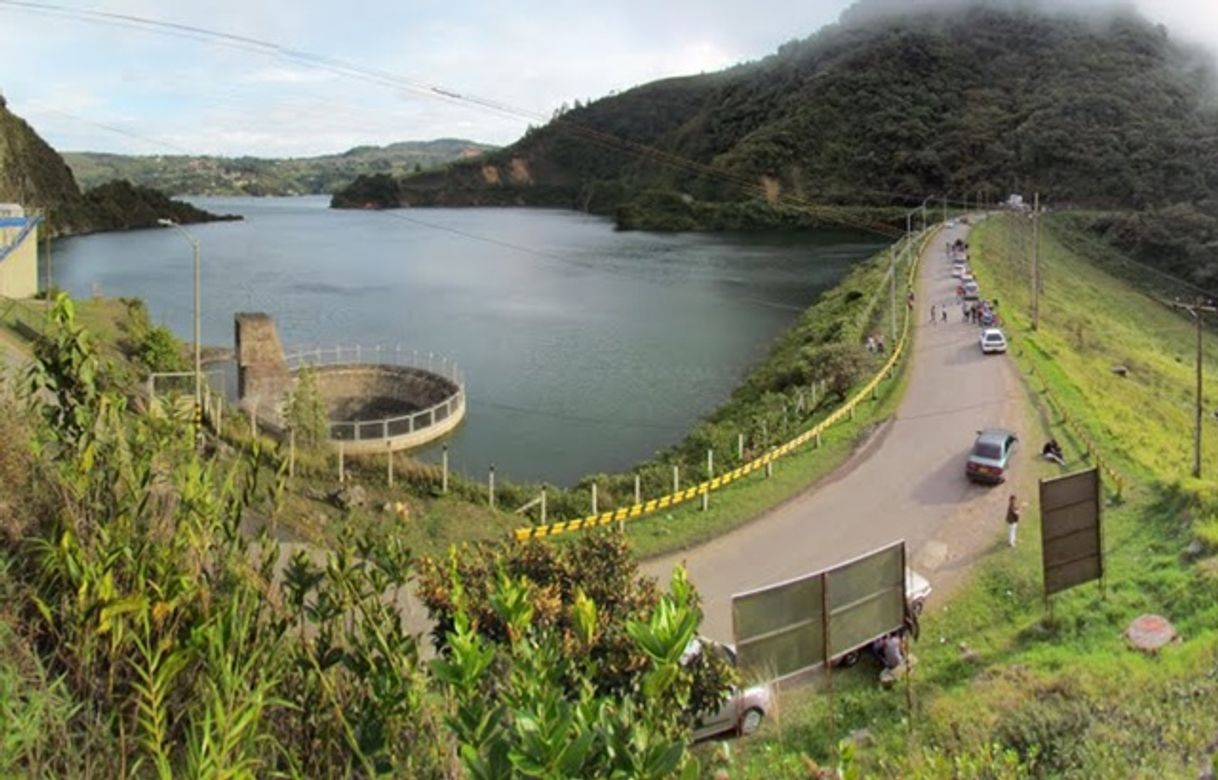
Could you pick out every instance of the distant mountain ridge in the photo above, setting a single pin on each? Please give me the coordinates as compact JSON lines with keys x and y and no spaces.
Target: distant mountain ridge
{"x":988,"y":97}
{"x":34,"y":175}
{"x":210,"y":175}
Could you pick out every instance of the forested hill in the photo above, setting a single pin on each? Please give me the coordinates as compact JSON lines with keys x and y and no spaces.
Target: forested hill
{"x":206,"y":175}
{"x":991,"y":97}
{"x":35,"y":176}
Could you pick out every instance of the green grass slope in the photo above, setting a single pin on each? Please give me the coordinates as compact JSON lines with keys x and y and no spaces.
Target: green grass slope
{"x":1059,"y":696}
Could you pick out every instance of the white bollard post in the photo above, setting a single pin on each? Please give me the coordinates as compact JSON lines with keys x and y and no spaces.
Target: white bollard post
{"x":638,"y":489}
{"x":444,"y":470}
{"x":710,"y":464}
{"x":594,"y":499}
{"x":543,"y":504}
{"x":706,"y":499}
{"x":676,"y":478}
{"x":490,"y":483}
{"x":740,"y":447}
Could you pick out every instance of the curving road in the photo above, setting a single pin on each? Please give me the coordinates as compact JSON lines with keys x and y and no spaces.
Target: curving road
{"x":907,"y":482}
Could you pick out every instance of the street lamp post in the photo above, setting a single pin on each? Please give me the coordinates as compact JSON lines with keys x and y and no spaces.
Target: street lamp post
{"x":194,"y":242}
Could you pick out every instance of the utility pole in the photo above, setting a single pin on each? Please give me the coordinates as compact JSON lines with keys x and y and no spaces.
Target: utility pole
{"x":1197,"y":310}
{"x":892,"y":257}
{"x":194,"y":242}
{"x":1036,"y":262}
{"x":46,"y":228}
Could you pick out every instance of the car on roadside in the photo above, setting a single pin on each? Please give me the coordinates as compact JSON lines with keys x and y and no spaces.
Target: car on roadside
{"x":990,"y":457}
{"x":959,"y":269}
{"x":992,"y":341}
{"x":971,"y":291}
{"x":745,"y":708}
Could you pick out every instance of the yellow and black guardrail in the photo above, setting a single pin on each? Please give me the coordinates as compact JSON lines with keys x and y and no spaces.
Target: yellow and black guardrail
{"x":635,"y":511}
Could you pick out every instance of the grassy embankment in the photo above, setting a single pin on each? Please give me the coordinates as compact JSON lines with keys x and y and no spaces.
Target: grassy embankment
{"x":1059,"y":697}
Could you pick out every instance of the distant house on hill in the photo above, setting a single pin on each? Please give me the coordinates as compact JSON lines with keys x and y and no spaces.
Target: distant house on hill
{"x":18,"y":252}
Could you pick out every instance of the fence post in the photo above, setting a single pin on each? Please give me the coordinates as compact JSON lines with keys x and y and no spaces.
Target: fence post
{"x":769,"y":466}
{"x":219,"y":416}
{"x":490,"y":484}
{"x":740,"y":447}
{"x":291,"y":452}
{"x":706,"y":499}
{"x":253,"y":421}
{"x":389,"y":463}
{"x":444,"y":470}
{"x":710,"y":464}
{"x":543,"y":502}
{"x":342,"y":470}
{"x":638,"y":489}
{"x":676,"y":478}
{"x":594,"y":499}
{"x":852,"y":412}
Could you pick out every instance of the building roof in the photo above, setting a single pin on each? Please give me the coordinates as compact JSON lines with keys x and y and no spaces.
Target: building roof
{"x":23,"y":225}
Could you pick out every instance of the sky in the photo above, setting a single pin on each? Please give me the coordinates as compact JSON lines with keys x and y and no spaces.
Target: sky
{"x":122,"y":87}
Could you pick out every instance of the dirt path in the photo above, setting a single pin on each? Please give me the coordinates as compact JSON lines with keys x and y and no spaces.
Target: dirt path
{"x":907,"y":484}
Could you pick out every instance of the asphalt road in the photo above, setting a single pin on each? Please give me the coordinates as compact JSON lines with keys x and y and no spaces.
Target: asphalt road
{"x":907,"y":482}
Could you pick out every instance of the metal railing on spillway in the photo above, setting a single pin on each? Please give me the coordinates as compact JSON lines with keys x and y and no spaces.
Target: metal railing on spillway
{"x":384,"y":355}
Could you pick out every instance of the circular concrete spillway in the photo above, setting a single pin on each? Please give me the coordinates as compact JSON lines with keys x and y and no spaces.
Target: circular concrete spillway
{"x":374,"y":407}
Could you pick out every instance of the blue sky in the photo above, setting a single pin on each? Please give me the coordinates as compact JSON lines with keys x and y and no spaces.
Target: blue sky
{"x":119,"y":88}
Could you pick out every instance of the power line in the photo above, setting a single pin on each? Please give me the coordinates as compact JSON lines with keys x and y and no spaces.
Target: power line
{"x":385,"y":78}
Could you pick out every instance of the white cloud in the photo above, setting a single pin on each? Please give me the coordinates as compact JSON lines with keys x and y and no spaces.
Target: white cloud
{"x":138,"y":91}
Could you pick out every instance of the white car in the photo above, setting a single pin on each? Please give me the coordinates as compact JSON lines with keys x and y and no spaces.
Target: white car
{"x":967,"y":276}
{"x":992,"y":340}
{"x":971,"y":291}
{"x":959,"y":270}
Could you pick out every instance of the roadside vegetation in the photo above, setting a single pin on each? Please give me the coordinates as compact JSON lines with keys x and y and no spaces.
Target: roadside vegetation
{"x":143,"y":634}
{"x":1003,"y":689}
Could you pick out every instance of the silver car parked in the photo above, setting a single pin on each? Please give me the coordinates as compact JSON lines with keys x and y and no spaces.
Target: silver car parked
{"x":744,"y":709}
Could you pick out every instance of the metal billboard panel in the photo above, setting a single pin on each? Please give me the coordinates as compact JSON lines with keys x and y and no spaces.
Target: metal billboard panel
{"x":866,"y":598}
{"x":1071,"y":536}
{"x":779,"y":629}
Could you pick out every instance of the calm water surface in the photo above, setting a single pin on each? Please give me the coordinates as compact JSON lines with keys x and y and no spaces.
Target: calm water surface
{"x":585,"y":349}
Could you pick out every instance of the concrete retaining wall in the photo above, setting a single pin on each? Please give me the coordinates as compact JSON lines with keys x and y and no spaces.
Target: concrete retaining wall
{"x":379,"y":408}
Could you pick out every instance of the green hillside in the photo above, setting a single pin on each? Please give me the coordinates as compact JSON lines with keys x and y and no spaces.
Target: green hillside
{"x":34,"y":175}
{"x":205,"y":175}
{"x":984,"y":99}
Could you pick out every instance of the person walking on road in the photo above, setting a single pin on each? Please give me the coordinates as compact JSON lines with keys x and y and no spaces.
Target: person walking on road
{"x":1012,"y":520}
{"x":934,"y":314}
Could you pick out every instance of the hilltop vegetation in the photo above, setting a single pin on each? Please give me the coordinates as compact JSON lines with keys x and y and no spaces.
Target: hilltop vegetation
{"x":972,"y":100}
{"x":207,"y":175}
{"x":35,"y":176}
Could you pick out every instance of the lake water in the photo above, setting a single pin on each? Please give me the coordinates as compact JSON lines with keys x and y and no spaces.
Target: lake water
{"x":585,"y":349}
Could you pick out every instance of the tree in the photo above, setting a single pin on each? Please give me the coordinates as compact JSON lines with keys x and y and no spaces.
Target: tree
{"x":840,"y":365}
{"x":305,"y":411}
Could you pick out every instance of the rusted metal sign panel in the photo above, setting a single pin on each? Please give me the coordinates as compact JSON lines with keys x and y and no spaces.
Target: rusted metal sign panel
{"x":1072,"y":547}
